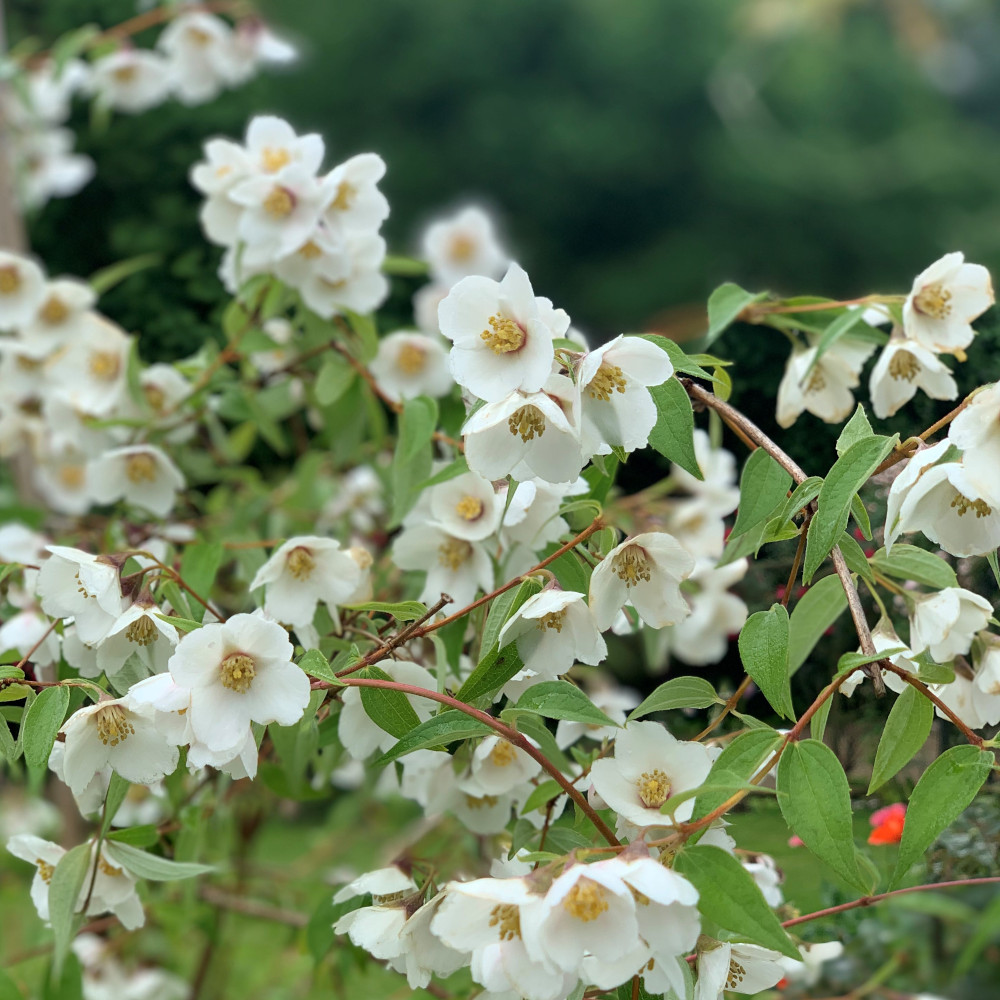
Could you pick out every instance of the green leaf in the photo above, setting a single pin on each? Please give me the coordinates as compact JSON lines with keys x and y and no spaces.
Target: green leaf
{"x":64,"y":895}
{"x":456,"y":468}
{"x":541,"y":795}
{"x":142,"y":864}
{"x":503,"y":608}
{"x":448,"y":727}
{"x":817,"y":724}
{"x":849,"y":473}
{"x":315,"y":664}
{"x":41,"y":723}
{"x":6,"y":741}
{"x":805,"y":492}
{"x":854,"y":430}
{"x":740,"y":759}
{"x":906,"y":731}
{"x":729,"y":897}
{"x":334,"y":379}
{"x":364,"y":327}
{"x":763,"y":645}
{"x":561,"y":700}
{"x":184,"y":624}
{"x":199,"y":566}
{"x":389,"y":710}
{"x":673,"y":434}
{"x":854,"y":556}
{"x":943,"y":792}
{"x":404,"y":267}
{"x":844,"y":322}
{"x":680,"y":692}
{"x":815,"y":800}
{"x":908,"y":562}
{"x":679,"y":358}
{"x":818,"y":608}
{"x":860,"y":514}
{"x":8,"y":988}
{"x":403,"y":611}
{"x":491,"y":673}
{"x":724,"y":306}
{"x":763,"y":485}
{"x":137,"y":836}
{"x":107,"y":277}
{"x":117,"y":790}
{"x":416,"y":426}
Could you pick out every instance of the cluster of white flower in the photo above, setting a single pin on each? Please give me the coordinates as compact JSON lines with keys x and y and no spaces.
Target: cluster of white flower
{"x":198,"y":56}
{"x":105,"y":978}
{"x":68,"y":402}
{"x":268,"y":205}
{"x":936,"y":319}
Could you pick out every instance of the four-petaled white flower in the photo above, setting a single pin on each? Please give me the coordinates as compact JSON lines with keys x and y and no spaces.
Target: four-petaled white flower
{"x":466,"y":506}
{"x":463,"y":244}
{"x":498,"y":767}
{"x":649,"y":766}
{"x":304,"y":571}
{"x":645,"y":571}
{"x":454,"y":566}
{"x":409,"y":364}
{"x":944,"y":301}
{"x":945,"y":622}
{"x":903,"y":367}
{"x":22,"y":290}
{"x":501,"y":334}
{"x":239,"y":671}
{"x":81,"y":585}
{"x":140,"y":474}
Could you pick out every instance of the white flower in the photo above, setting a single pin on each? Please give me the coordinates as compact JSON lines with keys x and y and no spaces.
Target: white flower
{"x":423,"y":955}
{"x":86,"y":587}
{"x":27,"y":631}
{"x":90,"y":373}
{"x":463,"y":244}
{"x":60,"y":316}
{"x":130,"y":80}
{"x":139,"y":629}
{"x":588,"y":909}
{"x":352,"y":199}
{"x":807,"y":972}
{"x":409,"y":364}
{"x":944,"y":301}
{"x":903,"y":367}
{"x":968,"y":701}
{"x":976,"y":430}
{"x":903,"y":484}
{"x":823,"y":388}
{"x":377,"y":928}
{"x":454,"y":566}
{"x":426,"y":301}
{"x":531,"y":519}
{"x":302,"y":572}
{"x":501,"y":334}
{"x":741,"y":968}
{"x":358,"y":498}
{"x":200,"y":50}
{"x":945,"y":622}
{"x":466,"y":506}
{"x":717,"y":491}
{"x":765,"y":873}
{"x":527,"y":435}
{"x":22,"y":290}
{"x":703,"y":636}
{"x":554,"y":629}
{"x":239,"y":671}
{"x":139,"y":474}
{"x":617,"y":408}
{"x":646,"y":571}
{"x":62,"y":480}
{"x":50,"y":167}
{"x":498,"y":767}
{"x":648,"y":767}
{"x":118,"y":734}
{"x":612,"y":700}
{"x":885,"y":638}
{"x":18,"y":543}
{"x":349,"y":279}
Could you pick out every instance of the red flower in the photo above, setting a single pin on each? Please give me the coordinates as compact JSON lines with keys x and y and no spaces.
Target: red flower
{"x":888,"y":824}
{"x":795,"y":841}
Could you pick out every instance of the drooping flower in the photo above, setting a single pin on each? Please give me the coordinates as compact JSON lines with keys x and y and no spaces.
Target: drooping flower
{"x":377,"y":928}
{"x":887,"y":824}
{"x":741,"y":968}
{"x":646,"y":571}
{"x":885,"y":638}
{"x":903,"y":367}
{"x":238,"y":671}
{"x":807,"y":972}
{"x":648,"y":767}
{"x":501,"y":334}
{"x":945,"y":622}
{"x":140,"y":630}
{"x":944,"y":300}
{"x":303,"y":572}
{"x":976,"y":430}
{"x":81,"y":585}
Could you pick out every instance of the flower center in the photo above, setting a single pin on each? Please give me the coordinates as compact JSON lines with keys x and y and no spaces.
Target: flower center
{"x":155,"y":396}
{"x":654,"y":788}
{"x":585,"y":900}
{"x":54,"y":311}
{"x":273,"y":159}
{"x":502,"y":754}
{"x":389,"y":898}
{"x":198,"y":37}
{"x":142,"y":631}
{"x":553,"y":620}
{"x":105,"y":365}
{"x":469,"y":508}
{"x":462,"y":248}
{"x":238,"y":671}
{"x":507,"y":917}
{"x":817,"y":380}
{"x":72,"y":476}
{"x":527,"y":421}
{"x":609,"y":379}
{"x":280,"y":202}
{"x":736,"y":974}
{"x":345,"y":196}
{"x":125,"y":74}
{"x":113,"y":726}
{"x":26,"y":364}
{"x":904,"y":365}
{"x":963,"y":505}
{"x":10,"y":280}
{"x":481,"y":802}
{"x":411,"y":359}
{"x":504,"y":335}
{"x":454,"y":552}
{"x":310,"y":250}
{"x":110,"y":870}
{"x":141,"y":468}
{"x":300,"y":563}
{"x":631,"y":565}
{"x":933,"y":301}
{"x":45,"y":870}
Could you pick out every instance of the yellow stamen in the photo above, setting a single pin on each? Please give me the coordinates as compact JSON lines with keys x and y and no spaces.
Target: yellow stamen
{"x":142,"y":631}
{"x":155,"y":396}
{"x":502,"y":754}
{"x":72,"y":476}
{"x":412,"y":359}
{"x":904,"y":365}
{"x":454,"y":553}
{"x":238,"y":671}
{"x":273,"y":159}
{"x":10,"y":279}
{"x":280,"y":202}
{"x":113,"y":726}
{"x":141,"y":468}
{"x":654,"y":788}
{"x":45,"y":870}
{"x":609,"y":379}
{"x":388,"y":898}
{"x":631,"y":565}
{"x":736,"y":974}
{"x":586,"y":900}
{"x":527,"y":421}
{"x":817,"y":380}
{"x":469,"y":508}
{"x":481,"y":802}
{"x":507,"y":917}
{"x":553,"y":620}
{"x":126,"y":74}
{"x":505,"y":335}
{"x":54,"y":311}
{"x":310,"y":250}
{"x":105,"y":365}
{"x":110,"y":870}
{"x":933,"y":300}
{"x":964,"y":505}
{"x":300,"y":563}
{"x":462,"y":248}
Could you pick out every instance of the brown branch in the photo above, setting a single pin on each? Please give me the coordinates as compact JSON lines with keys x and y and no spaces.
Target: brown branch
{"x":905,"y":449}
{"x":252,"y":907}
